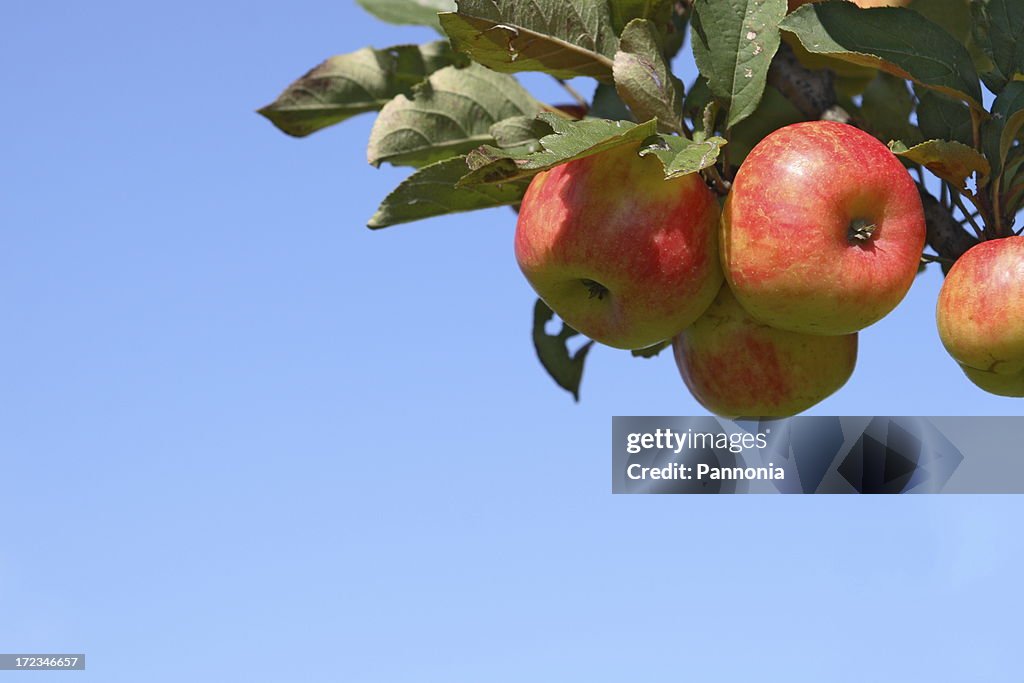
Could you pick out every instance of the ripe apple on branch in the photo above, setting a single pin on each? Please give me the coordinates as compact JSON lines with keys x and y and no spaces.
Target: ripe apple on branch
{"x":756,"y":219}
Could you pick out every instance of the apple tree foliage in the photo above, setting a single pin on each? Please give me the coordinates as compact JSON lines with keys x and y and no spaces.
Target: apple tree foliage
{"x":915,"y":76}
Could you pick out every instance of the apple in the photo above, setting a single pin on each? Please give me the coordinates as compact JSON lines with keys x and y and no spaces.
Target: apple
{"x":980,"y":315}
{"x":619,"y":253}
{"x":823,"y":230}
{"x":738,"y":367}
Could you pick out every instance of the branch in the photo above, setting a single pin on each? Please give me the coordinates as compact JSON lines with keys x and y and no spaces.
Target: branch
{"x":945,"y":234}
{"x":812,"y":91}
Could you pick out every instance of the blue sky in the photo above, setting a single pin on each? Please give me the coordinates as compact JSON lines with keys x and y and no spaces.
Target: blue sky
{"x":244,"y":438}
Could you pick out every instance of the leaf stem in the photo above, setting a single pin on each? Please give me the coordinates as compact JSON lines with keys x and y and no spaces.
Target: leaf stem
{"x":976,"y":128}
{"x":719,"y":184}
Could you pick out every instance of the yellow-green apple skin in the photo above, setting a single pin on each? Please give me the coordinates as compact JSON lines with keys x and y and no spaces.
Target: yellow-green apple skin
{"x":822,"y":231}
{"x":738,"y":367}
{"x":619,"y":253}
{"x":980,"y":315}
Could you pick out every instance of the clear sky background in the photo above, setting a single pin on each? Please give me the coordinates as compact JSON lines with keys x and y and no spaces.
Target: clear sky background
{"x":245,"y":438}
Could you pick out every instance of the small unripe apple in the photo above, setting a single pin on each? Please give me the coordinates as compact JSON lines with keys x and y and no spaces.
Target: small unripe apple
{"x":823,"y":230}
{"x":618,"y":252}
{"x":980,"y":315}
{"x":738,"y":367}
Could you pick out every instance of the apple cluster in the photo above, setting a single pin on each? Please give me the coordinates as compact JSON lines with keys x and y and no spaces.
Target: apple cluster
{"x":820,"y":236}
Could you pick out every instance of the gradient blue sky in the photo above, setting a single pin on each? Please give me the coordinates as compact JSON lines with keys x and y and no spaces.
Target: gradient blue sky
{"x":244,"y":438}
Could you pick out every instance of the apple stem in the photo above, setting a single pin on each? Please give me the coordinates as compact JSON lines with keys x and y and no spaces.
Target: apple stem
{"x":596,"y":289}
{"x":861,"y":231}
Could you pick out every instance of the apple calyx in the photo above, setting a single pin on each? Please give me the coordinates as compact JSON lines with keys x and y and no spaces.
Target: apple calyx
{"x":597,"y":290}
{"x":860,"y":231}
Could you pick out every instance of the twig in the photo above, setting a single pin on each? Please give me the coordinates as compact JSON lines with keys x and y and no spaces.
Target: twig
{"x":958,"y":202}
{"x":580,"y":100}
{"x":720,"y":185}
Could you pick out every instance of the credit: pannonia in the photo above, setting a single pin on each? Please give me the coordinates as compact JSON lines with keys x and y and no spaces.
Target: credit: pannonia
{"x":705,"y":471}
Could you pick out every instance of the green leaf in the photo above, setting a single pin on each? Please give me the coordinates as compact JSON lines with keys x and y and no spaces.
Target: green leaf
{"x":886,"y":106}
{"x":564,"y":367}
{"x":651,"y":351}
{"x":608,"y":105}
{"x":952,"y":15}
{"x":416,"y":12}
{"x":625,"y":11}
{"x":449,"y":114}
{"x":354,"y":83}
{"x":565,"y":38}
{"x":952,"y":161}
{"x":998,"y":27}
{"x":1001,"y":130}
{"x":571,"y":140}
{"x":519,"y":131}
{"x":897,"y":40}
{"x":644,"y":80}
{"x":733,"y":43}
{"x":1013,"y":165}
{"x":681,"y":156}
{"x":431,"y":191}
{"x":943,"y":118}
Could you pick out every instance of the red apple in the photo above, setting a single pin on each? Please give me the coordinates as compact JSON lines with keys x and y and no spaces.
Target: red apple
{"x":738,"y":367}
{"x":823,"y":230}
{"x":981,"y":315}
{"x":618,"y":252}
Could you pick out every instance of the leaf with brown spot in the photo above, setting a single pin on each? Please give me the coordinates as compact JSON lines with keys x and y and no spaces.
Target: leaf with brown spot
{"x":644,"y":79}
{"x":733,"y":44}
